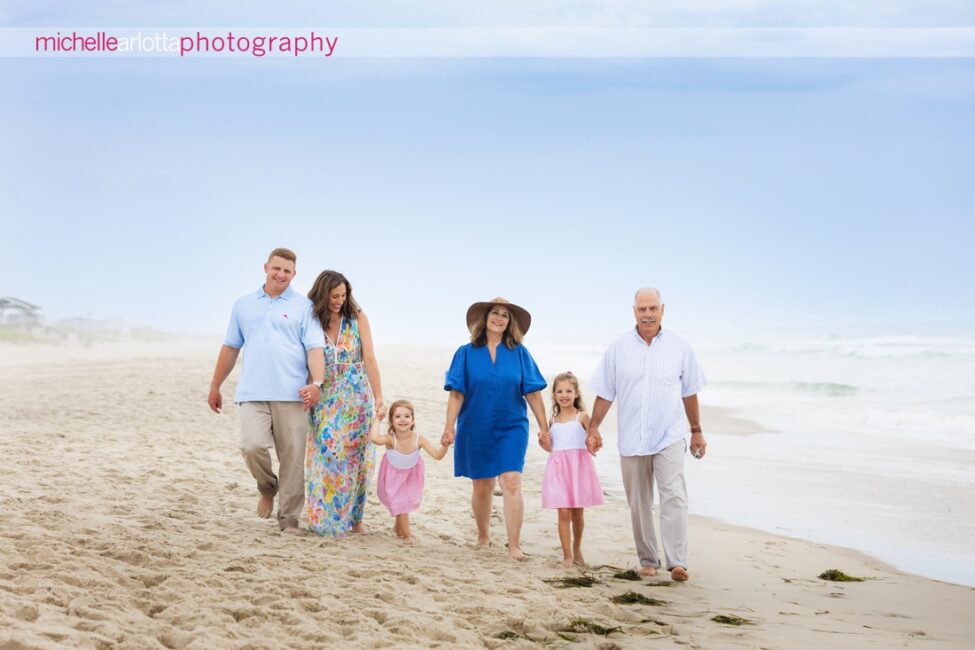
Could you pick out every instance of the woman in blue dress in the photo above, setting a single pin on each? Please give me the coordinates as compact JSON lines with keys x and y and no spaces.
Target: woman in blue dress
{"x":489,"y":380}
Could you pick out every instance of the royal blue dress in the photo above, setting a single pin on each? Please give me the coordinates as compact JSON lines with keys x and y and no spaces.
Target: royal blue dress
{"x":492,"y":427}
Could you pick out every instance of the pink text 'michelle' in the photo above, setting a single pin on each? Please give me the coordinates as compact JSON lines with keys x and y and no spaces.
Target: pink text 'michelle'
{"x":258,"y":46}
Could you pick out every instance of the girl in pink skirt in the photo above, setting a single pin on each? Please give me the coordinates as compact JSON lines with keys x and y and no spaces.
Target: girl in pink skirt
{"x":400,"y":483}
{"x":570,"y":482}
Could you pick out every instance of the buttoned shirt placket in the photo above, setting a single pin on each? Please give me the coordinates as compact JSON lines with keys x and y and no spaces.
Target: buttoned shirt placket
{"x":646,"y":405}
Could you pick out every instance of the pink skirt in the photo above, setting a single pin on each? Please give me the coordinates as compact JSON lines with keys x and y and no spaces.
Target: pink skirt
{"x":400,"y":490}
{"x":570,"y":480}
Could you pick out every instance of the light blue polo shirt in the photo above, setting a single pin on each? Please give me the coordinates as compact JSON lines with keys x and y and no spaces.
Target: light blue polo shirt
{"x":275,"y":334}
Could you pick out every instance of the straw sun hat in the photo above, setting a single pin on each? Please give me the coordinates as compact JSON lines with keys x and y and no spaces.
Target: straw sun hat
{"x":520,"y":314}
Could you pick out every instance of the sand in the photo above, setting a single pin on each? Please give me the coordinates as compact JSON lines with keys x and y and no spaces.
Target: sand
{"x":127,"y":521}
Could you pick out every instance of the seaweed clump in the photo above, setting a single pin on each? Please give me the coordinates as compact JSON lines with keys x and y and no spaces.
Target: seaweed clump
{"x":838,"y":576}
{"x":586,"y":580}
{"x":731,"y":619}
{"x":629,"y":574}
{"x":585,"y":626}
{"x":633,"y":598}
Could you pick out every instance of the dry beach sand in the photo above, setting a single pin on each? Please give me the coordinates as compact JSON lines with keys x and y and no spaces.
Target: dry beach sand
{"x":127,"y":521}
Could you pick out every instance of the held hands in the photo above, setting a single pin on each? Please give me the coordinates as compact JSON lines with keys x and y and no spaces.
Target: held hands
{"x":594,"y":441}
{"x":448,"y":437}
{"x":380,"y":410}
{"x":310,"y":394}
{"x":698,"y":445}
{"x":545,"y":440}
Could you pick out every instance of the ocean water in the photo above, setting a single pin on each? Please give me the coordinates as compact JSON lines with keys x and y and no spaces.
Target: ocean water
{"x":863,"y":441}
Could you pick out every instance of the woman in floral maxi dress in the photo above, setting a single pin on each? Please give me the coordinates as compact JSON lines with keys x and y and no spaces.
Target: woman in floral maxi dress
{"x":338,"y":454}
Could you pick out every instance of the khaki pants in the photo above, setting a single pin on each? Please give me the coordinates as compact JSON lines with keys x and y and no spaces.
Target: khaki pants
{"x":639,"y":473}
{"x":284,"y":426}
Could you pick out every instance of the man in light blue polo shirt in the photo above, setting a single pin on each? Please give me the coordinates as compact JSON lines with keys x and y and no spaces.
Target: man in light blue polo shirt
{"x":282,"y":342}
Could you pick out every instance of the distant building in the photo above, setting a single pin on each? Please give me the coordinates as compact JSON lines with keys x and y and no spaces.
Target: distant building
{"x":14,"y":311}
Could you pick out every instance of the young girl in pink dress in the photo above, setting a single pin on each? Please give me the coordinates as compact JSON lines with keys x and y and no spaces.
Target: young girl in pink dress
{"x":400,"y":483}
{"x":570,"y":482}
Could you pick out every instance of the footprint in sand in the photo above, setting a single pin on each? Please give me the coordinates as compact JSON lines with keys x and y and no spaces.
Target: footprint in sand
{"x":28,"y":613}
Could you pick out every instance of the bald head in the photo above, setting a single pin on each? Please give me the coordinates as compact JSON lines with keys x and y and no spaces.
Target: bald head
{"x":647,"y":291}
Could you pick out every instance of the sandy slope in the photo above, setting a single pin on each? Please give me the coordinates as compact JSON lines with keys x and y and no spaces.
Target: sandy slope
{"x":127,"y":521}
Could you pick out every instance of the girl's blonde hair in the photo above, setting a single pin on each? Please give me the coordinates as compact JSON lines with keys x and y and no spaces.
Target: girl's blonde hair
{"x":577,"y":403}
{"x":404,"y":403}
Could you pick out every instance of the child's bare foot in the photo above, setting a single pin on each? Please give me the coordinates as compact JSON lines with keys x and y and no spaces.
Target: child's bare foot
{"x":647,"y":571}
{"x":678,"y":574}
{"x":264,"y":506}
{"x":567,"y":562}
{"x":408,"y":540}
{"x":483,"y":542}
{"x":577,"y":558}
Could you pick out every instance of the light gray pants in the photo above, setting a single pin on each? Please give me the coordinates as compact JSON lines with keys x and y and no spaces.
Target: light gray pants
{"x":284,"y":426}
{"x":639,"y":473}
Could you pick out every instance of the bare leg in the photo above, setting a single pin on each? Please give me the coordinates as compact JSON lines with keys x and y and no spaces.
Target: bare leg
{"x":264,"y":506}
{"x":481,"y":498}
{"x":565,"y":518}
{"x":514,"y":512}
{"x":578,"y":524}
{"x":403,"y":521}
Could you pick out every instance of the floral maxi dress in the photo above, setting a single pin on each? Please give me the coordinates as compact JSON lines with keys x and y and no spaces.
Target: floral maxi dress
{"x":339,"y":456}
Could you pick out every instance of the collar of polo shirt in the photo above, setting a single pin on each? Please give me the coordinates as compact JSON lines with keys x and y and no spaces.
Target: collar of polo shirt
{"x":286,"y":294}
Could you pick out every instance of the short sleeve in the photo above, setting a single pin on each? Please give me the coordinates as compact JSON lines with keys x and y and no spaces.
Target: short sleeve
{"x":603,"y":381}
{"x":312,"y":334}
{"x":234,"y":337}
{"x":456,"y":377}
{"x":692,"y":378}
{"x":531,"y":377}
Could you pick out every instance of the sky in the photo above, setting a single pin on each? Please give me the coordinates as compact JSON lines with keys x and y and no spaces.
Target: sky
{"x":791,"y":192}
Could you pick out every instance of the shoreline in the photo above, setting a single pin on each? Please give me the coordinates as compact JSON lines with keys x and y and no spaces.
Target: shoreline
{"x":720,"y":420}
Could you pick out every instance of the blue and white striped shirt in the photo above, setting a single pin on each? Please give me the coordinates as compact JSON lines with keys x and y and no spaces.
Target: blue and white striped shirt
{"x":648,"y":383}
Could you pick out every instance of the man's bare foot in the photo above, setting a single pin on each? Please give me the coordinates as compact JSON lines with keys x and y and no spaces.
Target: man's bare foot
{"x":647,"y":571}
{"x":678,"y":574}
{"x":358,"y":528}
{"x":264,"y":506}
{"x":293,"y":530}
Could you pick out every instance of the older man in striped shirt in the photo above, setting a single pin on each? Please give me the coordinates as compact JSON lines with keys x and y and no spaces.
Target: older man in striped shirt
{"x":653,"y":376}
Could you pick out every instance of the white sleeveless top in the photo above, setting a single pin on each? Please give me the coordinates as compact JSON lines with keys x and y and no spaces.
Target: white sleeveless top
{"x":568,"y":435}
{"x":403,"y":461}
